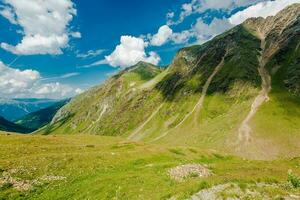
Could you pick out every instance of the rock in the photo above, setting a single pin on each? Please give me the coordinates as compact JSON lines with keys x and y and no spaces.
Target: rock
{"x":179,"y":173}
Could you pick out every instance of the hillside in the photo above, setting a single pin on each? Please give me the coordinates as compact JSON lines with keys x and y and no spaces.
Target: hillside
{"x":40,"y":118}
{"x":13,"y":109}
{"x":8,"y":126}
{"x":237,"y":93}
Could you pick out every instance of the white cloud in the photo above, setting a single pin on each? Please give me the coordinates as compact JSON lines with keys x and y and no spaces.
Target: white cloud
{"x":44,"y":23}
{"x":7,"y":13}
{"x":201,"y":31}
{"x":14,"y":80}
{"x":76,"y":34}
{"x":263,"y":9}
{"x":162,"y":36}
{"x":64,"y":76}
{"x":79,"y":91}
{"x":187,"y":9}
{"x":225,"y":5}
{"x":182,"y":37}
{"x":201,"y":6}
{"x":38,"y":44}
{"x":90,"y":53}
{"x":205,"y":32}
{"x":15,"y":83}
{"x":129,"y":52}
{"x":54,"y":90}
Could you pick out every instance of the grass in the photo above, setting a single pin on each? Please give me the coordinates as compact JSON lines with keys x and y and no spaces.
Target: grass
{"x":99,"y":167}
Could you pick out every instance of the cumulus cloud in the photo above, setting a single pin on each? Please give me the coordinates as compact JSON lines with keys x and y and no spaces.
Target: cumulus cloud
{"x":162,"y":36}
{"x":205,"y":32}
{"x":182,"y":37}
{"x":263,"y":9}
{"x":44,"y":23}
{"x":55,"y":90}
{"x":15,"y":83}
{"x":169,"y":17}
{"x":201,"y":6}
{"x":129,"y":52}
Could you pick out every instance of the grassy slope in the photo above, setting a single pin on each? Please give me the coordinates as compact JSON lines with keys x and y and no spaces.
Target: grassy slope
{"x":106,"y":168}
{"x":120,"y":100}
{"x":276,"y":126}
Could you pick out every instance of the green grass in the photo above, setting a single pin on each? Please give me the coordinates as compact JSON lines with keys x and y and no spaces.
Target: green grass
{"x":99,"y":167}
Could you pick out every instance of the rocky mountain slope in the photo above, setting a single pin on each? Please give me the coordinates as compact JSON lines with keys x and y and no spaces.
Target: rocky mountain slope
{"x":237,"y":93}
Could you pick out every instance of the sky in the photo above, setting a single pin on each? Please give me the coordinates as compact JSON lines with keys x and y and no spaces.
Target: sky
{"x":60,"y":48}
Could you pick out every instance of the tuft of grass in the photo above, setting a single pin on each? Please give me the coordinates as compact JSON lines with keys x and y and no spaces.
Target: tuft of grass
{"x":294,"y":180}
{"x":177,"y":152}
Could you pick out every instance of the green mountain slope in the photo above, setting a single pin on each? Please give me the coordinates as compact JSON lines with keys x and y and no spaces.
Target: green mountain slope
{"x":237,"y":93}
{"x":38,"y":119}
{"x":8,"y":126}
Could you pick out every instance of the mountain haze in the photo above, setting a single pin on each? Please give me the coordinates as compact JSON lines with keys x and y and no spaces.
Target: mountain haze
{"x":237,"y":93}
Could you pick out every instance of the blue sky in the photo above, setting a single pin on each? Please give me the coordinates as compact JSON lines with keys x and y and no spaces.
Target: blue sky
{"x":56,"y":50}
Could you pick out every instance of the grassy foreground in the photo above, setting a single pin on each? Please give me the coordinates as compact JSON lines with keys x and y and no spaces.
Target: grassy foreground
{"x":95,"y":167}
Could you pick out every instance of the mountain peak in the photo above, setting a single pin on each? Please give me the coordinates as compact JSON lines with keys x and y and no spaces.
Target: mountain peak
{"x":276,"y":24}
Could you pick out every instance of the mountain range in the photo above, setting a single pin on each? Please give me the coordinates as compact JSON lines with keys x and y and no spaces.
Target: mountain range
{"x":13,"y":109}
{"x":34,"y":120}
{"x":237,"y":93}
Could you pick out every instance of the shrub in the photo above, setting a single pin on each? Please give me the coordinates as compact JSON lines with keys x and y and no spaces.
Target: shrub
{"x":294,"y":180}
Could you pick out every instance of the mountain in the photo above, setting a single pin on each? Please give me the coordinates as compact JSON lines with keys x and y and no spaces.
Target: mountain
{"x":8,"y":126}
{"x":238,"y":93}
{"x":13,"y":109}
{"x":40,"y":118}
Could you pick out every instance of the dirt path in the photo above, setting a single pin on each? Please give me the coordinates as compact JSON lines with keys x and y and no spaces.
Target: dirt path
{"x":244,"y":132}
{"x":135,"y":135}
{"x":200,"y":102}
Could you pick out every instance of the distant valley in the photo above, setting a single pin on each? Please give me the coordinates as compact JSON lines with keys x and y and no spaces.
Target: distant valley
{"x":13,"y":109}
